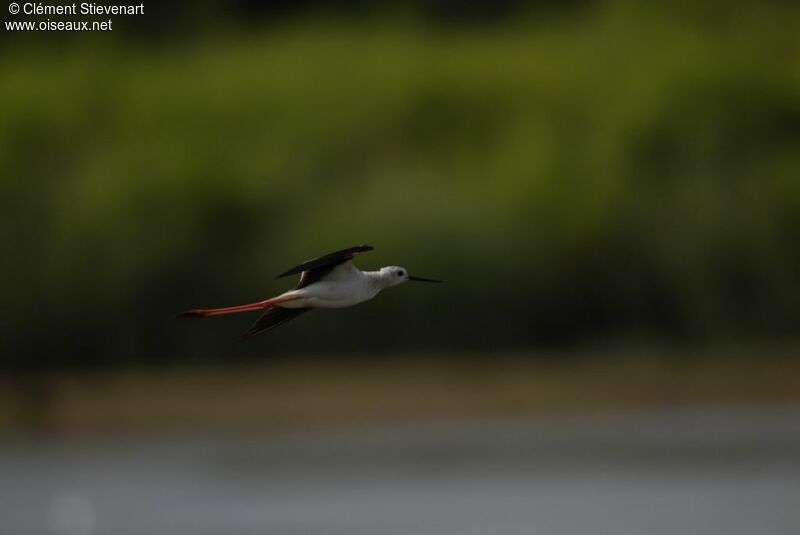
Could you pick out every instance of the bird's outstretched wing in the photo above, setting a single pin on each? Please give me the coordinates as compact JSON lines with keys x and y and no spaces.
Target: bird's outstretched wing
{"x":316,"y":268}
{"x":272,"y":318}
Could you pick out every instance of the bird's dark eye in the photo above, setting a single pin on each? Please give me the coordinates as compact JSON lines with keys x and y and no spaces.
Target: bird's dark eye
{"x":400,"y":273}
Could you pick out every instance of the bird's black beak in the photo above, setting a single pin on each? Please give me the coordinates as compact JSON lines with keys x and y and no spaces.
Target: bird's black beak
{"x":421,"y":279}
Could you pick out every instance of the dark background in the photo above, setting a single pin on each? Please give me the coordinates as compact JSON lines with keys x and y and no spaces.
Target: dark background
{"x":582,"y":174}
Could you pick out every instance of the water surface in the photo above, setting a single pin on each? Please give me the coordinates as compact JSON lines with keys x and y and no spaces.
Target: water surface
{"x":704,"y":470}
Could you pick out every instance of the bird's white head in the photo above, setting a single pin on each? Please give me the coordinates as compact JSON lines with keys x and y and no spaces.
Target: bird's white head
{"x":392,"y":276}
{"x":396,"y":275}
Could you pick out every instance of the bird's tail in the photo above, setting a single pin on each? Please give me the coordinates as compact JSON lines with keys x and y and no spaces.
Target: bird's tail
{"x":261,"y":305}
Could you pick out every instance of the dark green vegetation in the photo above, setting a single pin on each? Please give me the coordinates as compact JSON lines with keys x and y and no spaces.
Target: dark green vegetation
{"x":608,"y":173}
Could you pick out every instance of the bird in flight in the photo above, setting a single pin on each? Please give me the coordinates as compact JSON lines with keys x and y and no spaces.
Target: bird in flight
{"x":330,"y":281}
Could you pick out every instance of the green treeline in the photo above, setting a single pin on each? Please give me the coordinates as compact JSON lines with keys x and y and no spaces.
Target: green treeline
{"x":620,"y":173}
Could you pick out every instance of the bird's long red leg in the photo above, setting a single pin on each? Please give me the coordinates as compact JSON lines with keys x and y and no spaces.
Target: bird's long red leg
{"x":206,"y":312}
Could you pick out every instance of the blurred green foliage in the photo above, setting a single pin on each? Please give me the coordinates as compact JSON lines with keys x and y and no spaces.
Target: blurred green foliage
{"x":617,"y":172}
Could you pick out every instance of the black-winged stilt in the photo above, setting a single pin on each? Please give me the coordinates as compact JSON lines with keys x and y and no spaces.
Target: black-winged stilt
{"x":330,"y":281}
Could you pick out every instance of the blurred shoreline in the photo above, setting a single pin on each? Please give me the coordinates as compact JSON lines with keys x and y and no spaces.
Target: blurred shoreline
{"x":311,"y":393}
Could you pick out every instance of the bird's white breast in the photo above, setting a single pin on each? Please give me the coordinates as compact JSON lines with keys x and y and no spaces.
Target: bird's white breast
{"x":344,"y":286}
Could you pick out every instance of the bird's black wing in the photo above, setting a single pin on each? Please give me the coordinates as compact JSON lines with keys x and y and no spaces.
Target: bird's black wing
{"x":316,"y":268}
{"x":312,"y":271}
{"x":272,"y":318}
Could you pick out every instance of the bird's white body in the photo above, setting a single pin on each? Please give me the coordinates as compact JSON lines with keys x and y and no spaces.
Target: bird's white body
{"x":344,"y":286}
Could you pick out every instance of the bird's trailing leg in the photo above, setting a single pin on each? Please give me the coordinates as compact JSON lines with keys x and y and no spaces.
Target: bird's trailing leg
{"x":261,"y":305}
